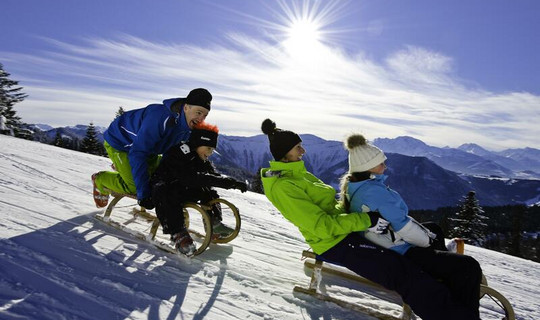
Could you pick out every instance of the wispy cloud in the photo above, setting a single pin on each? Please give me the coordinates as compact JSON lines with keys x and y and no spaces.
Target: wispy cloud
{"x":328,"y":93}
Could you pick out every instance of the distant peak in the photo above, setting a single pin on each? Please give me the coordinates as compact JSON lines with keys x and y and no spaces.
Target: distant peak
{"x":473,"y":148}
{"x":403,"y":141}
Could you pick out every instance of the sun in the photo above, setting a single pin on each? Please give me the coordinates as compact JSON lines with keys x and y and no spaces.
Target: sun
{"x":304,"y":32}
{"x":303,"y":28}
{"x":306,"y":27}
{"x":303,"y":39}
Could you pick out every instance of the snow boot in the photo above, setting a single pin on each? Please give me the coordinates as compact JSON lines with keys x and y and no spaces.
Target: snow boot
{"x":219,"y":230}
{"x":100,"y":199}
{"x":183,"y":243}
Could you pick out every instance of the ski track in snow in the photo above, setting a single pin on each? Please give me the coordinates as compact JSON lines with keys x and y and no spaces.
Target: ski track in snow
{"x":58,"y":262}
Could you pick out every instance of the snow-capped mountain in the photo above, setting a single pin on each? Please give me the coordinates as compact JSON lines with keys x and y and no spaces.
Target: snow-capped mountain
{"x":40,"y":127}
{"x":528,"y":158}
{"x":423,"y":183}
{"x":470,"y":159}
{"x":43,"y":134}
{"x":427,"y":177}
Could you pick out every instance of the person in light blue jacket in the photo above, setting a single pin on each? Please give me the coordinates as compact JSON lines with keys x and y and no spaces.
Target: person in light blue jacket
{"x":363,"y":190}
{"x":366,"y":191}
{"x":135,"y":140}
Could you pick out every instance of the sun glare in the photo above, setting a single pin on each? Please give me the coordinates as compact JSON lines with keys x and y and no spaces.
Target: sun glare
{"x":303,"y":31}
{"x":303,"y":28}
{"x":302,"y":39}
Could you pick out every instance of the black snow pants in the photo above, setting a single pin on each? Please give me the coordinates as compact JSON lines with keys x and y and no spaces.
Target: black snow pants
{"x":169,"y":200}
{"x":461,"y":274}
{"x":427,"y":297}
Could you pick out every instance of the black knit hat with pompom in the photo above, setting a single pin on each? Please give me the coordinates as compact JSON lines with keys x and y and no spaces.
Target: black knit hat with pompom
{"x":281,"y":141}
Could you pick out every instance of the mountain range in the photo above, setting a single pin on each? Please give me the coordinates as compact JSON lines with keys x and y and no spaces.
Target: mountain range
{"x":427,"y":177}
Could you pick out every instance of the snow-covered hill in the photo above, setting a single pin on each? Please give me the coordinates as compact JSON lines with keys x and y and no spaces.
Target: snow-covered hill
{"x":58,"y":262}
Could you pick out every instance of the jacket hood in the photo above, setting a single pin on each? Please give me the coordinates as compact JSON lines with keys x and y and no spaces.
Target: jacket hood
{"x":169,"y":102}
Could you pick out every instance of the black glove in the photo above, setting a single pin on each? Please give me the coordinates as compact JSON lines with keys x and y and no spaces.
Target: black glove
{"x":146,"y":203}
{"x":378,"y":224}
{"x":242,"y":186}
{"x":235,"y":184}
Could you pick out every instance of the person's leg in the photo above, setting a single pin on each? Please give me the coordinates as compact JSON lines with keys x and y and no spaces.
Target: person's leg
{"x":169,"y":209}
{"x":120,"y":181}
{"x":460,"y":273}
{"x":169,"y":202}
{"x":206,"y":195}
{"x":428,"y":298}
{"x":219,"y":229}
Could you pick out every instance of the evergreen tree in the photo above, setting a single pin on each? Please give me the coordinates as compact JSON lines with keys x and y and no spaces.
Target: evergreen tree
{"x":10,"y":94}
{"x":120,"y":112}
{"x":469,"y":222}
{"x":90,"y":143}
{"x":515,"y":234}
{"x":58,"y":140}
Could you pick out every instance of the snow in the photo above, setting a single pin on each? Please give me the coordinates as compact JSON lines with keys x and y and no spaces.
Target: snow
{"x":58,"y":262}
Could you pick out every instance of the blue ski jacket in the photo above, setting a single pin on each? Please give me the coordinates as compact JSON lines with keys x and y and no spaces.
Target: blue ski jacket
{"x":147,"y":132}
{"x":374,"y":195}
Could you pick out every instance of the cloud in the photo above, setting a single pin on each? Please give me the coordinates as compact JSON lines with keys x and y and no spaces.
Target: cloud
{"x":325,"y":92}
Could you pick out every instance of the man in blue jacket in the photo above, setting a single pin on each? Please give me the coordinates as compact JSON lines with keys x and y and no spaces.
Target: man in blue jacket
{"x":135,"y":140}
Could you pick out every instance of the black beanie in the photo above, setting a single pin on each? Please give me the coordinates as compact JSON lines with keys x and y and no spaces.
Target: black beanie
{"x":204,"y":134}
{"x":199,"y":97}
{"x":281,"y":141}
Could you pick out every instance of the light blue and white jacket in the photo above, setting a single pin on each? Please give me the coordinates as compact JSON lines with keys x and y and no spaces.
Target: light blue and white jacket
{"x":374,"y":195}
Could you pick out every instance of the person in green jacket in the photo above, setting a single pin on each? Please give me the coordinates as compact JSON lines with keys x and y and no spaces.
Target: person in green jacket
{"x":334,"y":235}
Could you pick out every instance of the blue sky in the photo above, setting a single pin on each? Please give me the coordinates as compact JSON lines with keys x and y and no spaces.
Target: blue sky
{"x":445,"y":72}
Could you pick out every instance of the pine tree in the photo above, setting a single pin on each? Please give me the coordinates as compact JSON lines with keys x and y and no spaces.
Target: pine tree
{"x":120,"y":112}
{"x":515,"y":233}
{"x":58,"y":140}
{"x":90,"y":143}
{"x":10,"y":94}
{"x":469,"y":223}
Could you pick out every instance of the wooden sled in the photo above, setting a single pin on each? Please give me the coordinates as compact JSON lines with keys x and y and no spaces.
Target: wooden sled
{"x":196,"y":219}
{"x":319,"y":267}
{"x":498,"y":303}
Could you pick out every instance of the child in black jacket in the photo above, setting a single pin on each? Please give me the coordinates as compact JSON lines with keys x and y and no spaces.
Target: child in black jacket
{"x":186,"y":175}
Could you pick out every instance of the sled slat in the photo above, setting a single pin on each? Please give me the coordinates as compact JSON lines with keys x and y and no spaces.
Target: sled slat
{"x":347,"y":305}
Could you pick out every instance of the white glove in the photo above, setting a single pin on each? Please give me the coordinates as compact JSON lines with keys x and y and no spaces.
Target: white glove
{"x":378,"y":224}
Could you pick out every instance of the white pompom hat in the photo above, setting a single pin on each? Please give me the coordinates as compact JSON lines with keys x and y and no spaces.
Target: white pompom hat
{"x":362,"y":155}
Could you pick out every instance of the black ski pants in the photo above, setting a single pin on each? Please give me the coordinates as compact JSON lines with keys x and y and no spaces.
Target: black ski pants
{"x":169,"y":200}
{"x":461,"y":274}
{"x":427,"y":297}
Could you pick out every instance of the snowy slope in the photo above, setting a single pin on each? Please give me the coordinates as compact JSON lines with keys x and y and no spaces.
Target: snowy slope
{"x":57,"y":262}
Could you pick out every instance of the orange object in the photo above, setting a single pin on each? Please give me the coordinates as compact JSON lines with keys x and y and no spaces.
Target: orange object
{"x":460,"y":245}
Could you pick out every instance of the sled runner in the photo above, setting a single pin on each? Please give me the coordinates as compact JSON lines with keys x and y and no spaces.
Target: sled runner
{"x":196,"y":219}
{"x":319,"y":267}
{"x":491,"y":299}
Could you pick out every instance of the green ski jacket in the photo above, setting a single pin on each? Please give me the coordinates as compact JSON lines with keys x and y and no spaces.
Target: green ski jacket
{"x":310,"y":205}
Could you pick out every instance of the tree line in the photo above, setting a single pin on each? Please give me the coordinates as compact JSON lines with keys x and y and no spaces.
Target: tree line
{"x":510,"y":229}
{"x":11,"y":124}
